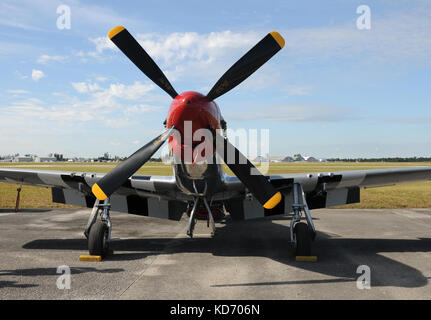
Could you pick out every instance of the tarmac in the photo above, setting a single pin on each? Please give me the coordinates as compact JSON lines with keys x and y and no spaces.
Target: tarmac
{"x":154,"y":259}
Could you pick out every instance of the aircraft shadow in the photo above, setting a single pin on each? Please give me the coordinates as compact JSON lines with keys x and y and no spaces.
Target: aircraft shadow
{"x":53,"y":271}
{"x":15,"y":284}
{"x":45,"y":272}
{"x":338,"y":257}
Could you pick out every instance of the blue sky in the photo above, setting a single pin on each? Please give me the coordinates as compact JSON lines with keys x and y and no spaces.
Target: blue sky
{"x":333,"y":91}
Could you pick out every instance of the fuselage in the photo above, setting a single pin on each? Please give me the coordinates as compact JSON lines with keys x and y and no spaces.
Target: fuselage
{"x":195,"y":119}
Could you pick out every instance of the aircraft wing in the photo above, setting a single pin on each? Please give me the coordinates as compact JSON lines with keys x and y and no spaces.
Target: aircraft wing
{"x":143,"y":195}
{"x":158,"y":196}
{"x":322,"y":190}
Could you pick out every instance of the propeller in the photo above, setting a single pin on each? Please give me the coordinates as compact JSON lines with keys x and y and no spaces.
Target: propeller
{"x":249,"y":63}
{"x":117,"y":176}
{"x":133,"y":50}
{"x":255,"y":182}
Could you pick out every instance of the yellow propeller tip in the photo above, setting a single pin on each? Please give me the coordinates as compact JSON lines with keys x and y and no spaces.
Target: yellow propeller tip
{"x":114,"y":31}
{"x":98,"y":192}
{"x":271,"y":203}
{"x":277,"y":37}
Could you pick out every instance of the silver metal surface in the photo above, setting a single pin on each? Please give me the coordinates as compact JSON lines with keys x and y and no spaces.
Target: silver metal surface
{"x":92,"y":218}
{"x":192,"y":221}
{"x":299,"y":205}
{"x":106,"y":206}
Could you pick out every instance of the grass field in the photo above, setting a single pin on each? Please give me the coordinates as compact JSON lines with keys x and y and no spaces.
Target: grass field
{"x":413,"y":195}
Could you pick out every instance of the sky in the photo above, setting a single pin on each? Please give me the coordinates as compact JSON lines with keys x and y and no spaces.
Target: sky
{"x":334,"y":90}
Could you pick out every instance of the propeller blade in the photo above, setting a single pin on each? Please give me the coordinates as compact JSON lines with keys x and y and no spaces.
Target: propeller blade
{"x":133,"y":50}
{"x":117,"y":176}
{"x":256,"y":183}
{"x":249,"y":63}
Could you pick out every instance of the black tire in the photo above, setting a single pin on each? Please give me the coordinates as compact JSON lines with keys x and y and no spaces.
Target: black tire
{"x":98,"y":239}
{"x":303,"y":239}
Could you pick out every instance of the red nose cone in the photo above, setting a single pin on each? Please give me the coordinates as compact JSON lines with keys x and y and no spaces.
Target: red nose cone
{"x":189,"y":112}
{"x":195,"y":107}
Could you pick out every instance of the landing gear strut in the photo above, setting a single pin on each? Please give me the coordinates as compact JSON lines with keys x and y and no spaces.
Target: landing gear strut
{"x":301,"y":234}
{"x":98,"y":233}
{"x":192,"y":220}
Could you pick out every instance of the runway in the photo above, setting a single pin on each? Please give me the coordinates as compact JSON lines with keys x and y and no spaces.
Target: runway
{"x":154,"y":259}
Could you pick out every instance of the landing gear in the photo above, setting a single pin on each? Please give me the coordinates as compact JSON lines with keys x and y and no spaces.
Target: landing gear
{"x":98,"y":233}
{"x":98,"y":239}
{"x":202,"y":212}
{"x":302,"y":239}
{"x":192,"y":220}
{"x":301,"y":234}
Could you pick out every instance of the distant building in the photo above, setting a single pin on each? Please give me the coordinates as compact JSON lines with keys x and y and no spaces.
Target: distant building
{"x":260,"y":159}
{"x":311,"y":159}
{"x":298,"y":157}
{"x":22,"y":159}
{"x":45,"y":159}
{"x":288,"y":159}
{"x":276,"y":159}
{"x":7,"y":160}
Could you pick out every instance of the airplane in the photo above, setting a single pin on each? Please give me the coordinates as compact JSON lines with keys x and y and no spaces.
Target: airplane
{"x":198,"y":185}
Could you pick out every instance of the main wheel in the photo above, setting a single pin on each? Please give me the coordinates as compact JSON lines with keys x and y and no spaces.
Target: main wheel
{"x":98,"y":239}
{"x":303,"y":239}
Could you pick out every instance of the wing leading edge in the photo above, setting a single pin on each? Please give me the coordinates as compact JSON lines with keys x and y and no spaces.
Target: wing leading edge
{"x":159,"y":196}
{"x":155,"y":196}
{"x":322,"y":190}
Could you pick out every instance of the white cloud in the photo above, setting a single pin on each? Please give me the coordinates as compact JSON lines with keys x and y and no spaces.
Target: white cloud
{"x":116,"y":105}
{"x":399,"y":36}
{"x":119,"y":123}
{"x":38,"y":109}
{"x":36,"y":75}
{"x":102,"y":43}
{"x":130,"y":92}
{"x":101,"y":79}
{"x":182,"y":54}
{"x":191,"y":45}
{"x":141,"y":108}
{"x":84,"y":87}
{"x":18,"y":91}
{"x":93,"y":87}
{"x":81,"y":87}
{"x":203,"y":57}
{"x":44,"y":59}
{"x":133,"y":92}
{"x":179,"y":46}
